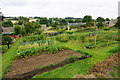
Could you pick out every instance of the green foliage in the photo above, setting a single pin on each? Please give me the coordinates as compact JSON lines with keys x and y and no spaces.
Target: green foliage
{"x":53,"y":65}
{"x":87,"y":18}
{"x":113,"y":74}
{"x":23,"y":19}
{"x":89,"y":46}
{"x":17,"y":29}
{"x":43,"y":20}
{"x":37,"y":25}
{"x":50,"y":65}
{"x":70,"y":59}
{"x":65,"y":38}
{"x":115,"y":50}
{"x":83,"y":38}
{"x":107,"y":28}
{"x":79,"y":57}
{"x":8,"y":57}
{"x":117,"y":25}
{"x":29,"y":28}
{"x":35,"y":51}
{"x":100,"y":19}
{"x":5,"y":48}
{"x":100,"y":25}
{"x":107,"y":19}
{"x":60,"y":62}
{"x":6,"y":39}
{"x":7,"y":24}
{"x":42,"y":67}
{"x":63,"y":22}
{"x":23,"y":32}
{"x":89,"y":24}
{"x":35,"y":37}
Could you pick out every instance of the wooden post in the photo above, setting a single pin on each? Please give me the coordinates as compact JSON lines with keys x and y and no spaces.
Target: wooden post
{"x":95,"y":39}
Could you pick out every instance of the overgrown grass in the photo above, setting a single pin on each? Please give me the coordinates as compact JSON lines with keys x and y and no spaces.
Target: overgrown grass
{"x":8,"y":57}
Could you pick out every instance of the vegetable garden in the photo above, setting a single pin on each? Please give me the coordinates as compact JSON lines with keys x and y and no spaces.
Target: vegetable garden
{"x":62,"y":50}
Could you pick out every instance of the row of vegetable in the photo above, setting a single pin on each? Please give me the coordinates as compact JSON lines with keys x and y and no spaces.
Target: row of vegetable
{"x":49,"y":49}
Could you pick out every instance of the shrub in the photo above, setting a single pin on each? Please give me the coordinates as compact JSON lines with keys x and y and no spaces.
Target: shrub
{"x":70,"y":59}
{"x":89,"y":46}
{"x":82,"y":38}
{"x":115,"y":50}
{"x":79,"y":57}
{"x":41,"y":67}
{"x":107,"y":28}
{"x":6,"y":39}
{"x":60,"y":62}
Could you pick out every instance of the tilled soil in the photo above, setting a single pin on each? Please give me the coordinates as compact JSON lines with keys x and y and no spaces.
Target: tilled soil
{"x":26,"y":65}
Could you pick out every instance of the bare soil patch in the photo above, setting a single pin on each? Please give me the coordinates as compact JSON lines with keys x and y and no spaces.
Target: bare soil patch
{"x":32,"y":63}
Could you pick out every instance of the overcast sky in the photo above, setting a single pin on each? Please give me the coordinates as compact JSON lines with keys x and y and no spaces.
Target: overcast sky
{"x":60,"y":8}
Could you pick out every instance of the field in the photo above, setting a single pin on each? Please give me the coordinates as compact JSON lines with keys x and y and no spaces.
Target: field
{"x":64,"y":55}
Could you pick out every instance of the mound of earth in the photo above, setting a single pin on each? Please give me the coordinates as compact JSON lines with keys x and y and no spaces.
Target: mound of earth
{"x":26,"y":65}
{"x":105,"y":69}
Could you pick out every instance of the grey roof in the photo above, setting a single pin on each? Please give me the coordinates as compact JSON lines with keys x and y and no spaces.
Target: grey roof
{"x":8,"y":29}
{"x":73,"y":24}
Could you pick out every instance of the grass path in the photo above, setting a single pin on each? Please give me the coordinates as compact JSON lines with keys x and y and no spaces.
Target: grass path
{"x":9,"y":56}
{"x":79,"y":67}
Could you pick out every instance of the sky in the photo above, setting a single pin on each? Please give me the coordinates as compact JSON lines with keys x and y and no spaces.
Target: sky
{"x":60,"y":8}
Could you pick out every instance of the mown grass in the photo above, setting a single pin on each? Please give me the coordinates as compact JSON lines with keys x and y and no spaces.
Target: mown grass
{"x":79,"y":67}
{"x":9,"y":56}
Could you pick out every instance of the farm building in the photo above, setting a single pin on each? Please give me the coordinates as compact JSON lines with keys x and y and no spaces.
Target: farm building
{"x":8,"y":30}
{"x":43,"y":26}
{"x":73,"y":24}
{"x":112,"y":22}
{"x":31,"y":20}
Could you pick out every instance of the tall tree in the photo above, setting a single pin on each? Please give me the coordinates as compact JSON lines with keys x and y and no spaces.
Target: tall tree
{"x":100,"y":19}
{"x":43,"y":20}
{"x":87,"y":18}
{"x":63,"y":22}
{"x":17,"y":29}
{"x":100,"y":25}
{"x":118,"y":23}
{"x":29,"y":28}
{"x":7,"y":24}
{"x":36,"y":25}
{"x":107,"y":19}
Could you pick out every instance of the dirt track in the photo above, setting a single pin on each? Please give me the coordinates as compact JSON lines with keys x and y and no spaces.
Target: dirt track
{"x":32,"y":63}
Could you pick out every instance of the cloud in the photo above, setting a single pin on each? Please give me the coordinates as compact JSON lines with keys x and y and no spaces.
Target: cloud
{"x":8,"y":3}
{"x":60,"y":8}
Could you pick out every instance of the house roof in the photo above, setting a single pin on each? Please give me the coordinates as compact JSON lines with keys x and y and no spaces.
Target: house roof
{"x":112,"y":22}
{"x":73,"y":24}
{"x":8,"y":29}
{"x":43,"y":26}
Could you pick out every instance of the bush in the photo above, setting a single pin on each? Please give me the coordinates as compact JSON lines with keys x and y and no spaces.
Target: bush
{"x":83,"y":38}
{"x":70,"y":59}
{"x":6,"y":39}
{"x":115,"y":50}
{"x":35,"y":37}
{"x":65,"y":38}
{"x":89,"y":46}
{"x":107,"y":28}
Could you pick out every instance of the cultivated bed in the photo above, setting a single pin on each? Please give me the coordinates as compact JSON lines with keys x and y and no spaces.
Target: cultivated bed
{"x":32,"y":63}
